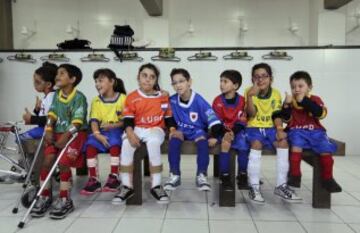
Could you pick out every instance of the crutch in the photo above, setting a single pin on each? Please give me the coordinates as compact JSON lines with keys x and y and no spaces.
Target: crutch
{"x":29,"y":174}
{"x":48,"y":177}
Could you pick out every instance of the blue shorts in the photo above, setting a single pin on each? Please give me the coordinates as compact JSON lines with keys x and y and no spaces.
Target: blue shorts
{"x":114,"y":139}
{"x":240,"y":142}
{"x":267,"y":136}
{"x":193,"y":134}
{"x":317,"y":140}
{"x":34,"y":133}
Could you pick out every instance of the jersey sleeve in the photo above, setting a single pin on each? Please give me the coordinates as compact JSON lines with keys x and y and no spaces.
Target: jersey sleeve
{"x":168,"y":112}
{"x":53,"y":108}
{"x":208,"y":113}
{"x":79,"y":110}
{"x":319,"y":102}
{"x":278,"y":101}
{"x":120,"y":106}
{"x":94,"y":111}
{"x":217,"y":109}
{"x":129,"y":109}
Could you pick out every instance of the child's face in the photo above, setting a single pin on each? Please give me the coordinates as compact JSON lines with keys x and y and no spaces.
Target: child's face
{"x":262,"y":79}
{"x":227,"y":86}
{"x":300,"y":87}
{"x":63,"y":79}
{"x":180,"y":84}
{"x":104,"y":85}
{"x":39,"y":83}
{"x":147,"y":79}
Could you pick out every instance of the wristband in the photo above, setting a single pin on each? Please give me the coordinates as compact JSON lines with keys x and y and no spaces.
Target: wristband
{"x":73,"y":130}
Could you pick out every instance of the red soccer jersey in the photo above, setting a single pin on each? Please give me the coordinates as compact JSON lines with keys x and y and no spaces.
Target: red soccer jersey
{"x":230,"y":114}
{"x":147,"y":111}
{"x":302,"y":119}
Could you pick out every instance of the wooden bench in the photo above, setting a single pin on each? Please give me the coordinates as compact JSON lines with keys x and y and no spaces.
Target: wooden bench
{"x":320,"y":197}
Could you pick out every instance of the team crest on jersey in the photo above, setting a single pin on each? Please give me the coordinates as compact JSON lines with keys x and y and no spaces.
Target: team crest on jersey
{"x":118,"y":113}
{"x":164,"y":106}
{"x":194,"y":116}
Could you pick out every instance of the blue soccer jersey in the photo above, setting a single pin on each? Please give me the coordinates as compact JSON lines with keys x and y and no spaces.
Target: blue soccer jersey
{"x":195,"y":117}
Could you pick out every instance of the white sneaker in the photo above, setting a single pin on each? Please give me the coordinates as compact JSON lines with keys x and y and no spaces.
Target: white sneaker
{"x":286,"y":193}
{"x":172,"y":183}
{"x":202,"y":183}
{"x":255,"y":194}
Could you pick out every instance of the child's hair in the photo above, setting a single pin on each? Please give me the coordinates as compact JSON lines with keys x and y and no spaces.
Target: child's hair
{"x":233,"y":75}
{"x":302,"y":75}
{"x":118,"y":83}
{"x":181,"y":71}
{"x":156,"y":71}
{"x":73,"y":71}
{"x":47,"y":72}
{"x":264,"y":66}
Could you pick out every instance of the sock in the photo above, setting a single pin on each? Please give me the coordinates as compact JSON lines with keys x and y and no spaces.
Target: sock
{"x":282,"y":166}
{"x":224,"y":162}
{"x":91,"y":161}
{"x":65,"y":184}
{"x":327,"y":163}
{"x":125,"y":179}
{"x":174,"y":155}
{"x":155,"y":179}
{"x":254,"y":167}
{"x":43,"y":174}
{"x":295,"y":161}
{"x":243,"y":159}
{"x":114,"y":159}
{"x":202,"y":148}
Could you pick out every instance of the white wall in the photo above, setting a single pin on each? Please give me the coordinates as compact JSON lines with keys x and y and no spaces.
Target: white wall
{"x":334,"y":72}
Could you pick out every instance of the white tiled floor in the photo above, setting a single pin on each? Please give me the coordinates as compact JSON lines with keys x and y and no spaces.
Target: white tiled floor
{"x":194,"y":211}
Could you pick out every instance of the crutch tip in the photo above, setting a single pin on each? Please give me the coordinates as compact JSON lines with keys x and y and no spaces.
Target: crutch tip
{"x":15,"y":210}
{"x":21,"y":224}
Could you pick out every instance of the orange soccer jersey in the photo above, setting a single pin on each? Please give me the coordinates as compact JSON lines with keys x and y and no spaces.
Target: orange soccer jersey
{"x":147,"y":111}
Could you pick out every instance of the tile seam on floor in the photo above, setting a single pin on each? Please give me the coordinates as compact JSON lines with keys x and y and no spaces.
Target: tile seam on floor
{"x":248,"y":208}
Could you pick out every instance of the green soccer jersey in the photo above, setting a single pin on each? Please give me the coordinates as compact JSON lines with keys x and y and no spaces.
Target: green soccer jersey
{"x":68,"y":111}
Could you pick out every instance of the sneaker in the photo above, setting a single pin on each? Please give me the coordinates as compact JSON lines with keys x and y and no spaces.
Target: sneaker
{"x":202,"y":183}
{"x":124,"y":194}
{"x":294,"y":181}
{"x":159,"y":194}
{"x":61,"y":208}
{"x":112,"y":184}
{"x":331,"y":186}
{"x":255,"y":194}
{"x":286,"y":193}
{"x":41,"y":206}
{"x":226,"y":182}
{"x":242,"y":181}
{"x":173,"y":182}
{"x":92,"y":186}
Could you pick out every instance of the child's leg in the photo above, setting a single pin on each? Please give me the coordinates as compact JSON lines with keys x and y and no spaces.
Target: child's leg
{"x":243,"y":159}
{"x":202,"y":155}
{"x":65,"y":182}
{"x":254,"y":164}
{"x":327,"y":163}
{"x":153,"y":147}
{"x":91,"y":161}
{"x":295,"y":161}
{"x":114,"y":159}
{"x":126,"y":163}
{"x":282,"y":162}
{"x":224,"y":157}
{"x":44,"y":172}
{"x":174,"y":155}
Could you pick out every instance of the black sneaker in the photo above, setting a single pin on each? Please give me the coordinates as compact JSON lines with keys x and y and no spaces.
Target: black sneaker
{"x":331,"y":185}
{"x":41,"y":206}
{"x":159,"y":194}
{"x":124,"y":194}
{"x":62,"y":208}
{"x":92,"y":186}
{"x":294,"y":181}
{"x":226,"y":182}
{"x":242,"y":181}
{"x":112,"y":184}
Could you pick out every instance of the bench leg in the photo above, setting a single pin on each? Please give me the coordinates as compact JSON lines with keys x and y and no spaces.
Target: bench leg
{"x":227,"y":198}
{"x":137,"y":180}
{"x":321,"y":198}
{"x":216,"y":166}
{"x":146,"y":166}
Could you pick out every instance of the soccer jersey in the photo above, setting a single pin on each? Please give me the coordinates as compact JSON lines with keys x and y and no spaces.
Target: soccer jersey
{"x":104,"y":111}
{"x":265,"y":106}
{"x":302,"y":119}
{"x":147,"y":111}
{"x":68,"y":111}
{"x":46,"y":103}
{"x":230,"y":114}
{"x":196,"y":114}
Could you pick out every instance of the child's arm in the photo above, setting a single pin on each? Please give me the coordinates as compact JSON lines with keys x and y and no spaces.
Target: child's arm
{"x":249,"y":106}
{"x":316,"y":109}
{"x":129,"y":129}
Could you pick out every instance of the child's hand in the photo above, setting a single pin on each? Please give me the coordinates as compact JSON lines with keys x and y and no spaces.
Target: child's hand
{"x":254,"y":90}
{"x":280,"y":135}
{"x":49,"y":137}
{"x":102,"y":139}
{"x":228,"y":136}
{"x":106,"y":126}
{"x":37,"y":103}
{"x":225,"y":145}
{"x":133,"y":139}
{"x":61,"y":142}
{"x":212,"y":142}
{"x":299,"y":97}
{"x":288,"y":98}
{"x":27,"y":116}
{"x":176,"y":134}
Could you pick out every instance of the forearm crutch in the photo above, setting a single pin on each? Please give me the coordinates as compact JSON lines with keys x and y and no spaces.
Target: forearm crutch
{"x":29,"y":174}
{"x":48,"y":177}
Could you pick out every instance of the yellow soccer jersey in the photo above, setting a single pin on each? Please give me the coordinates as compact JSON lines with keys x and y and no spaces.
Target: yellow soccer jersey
{"x":107,"y":111}
{"x":265,"y":107}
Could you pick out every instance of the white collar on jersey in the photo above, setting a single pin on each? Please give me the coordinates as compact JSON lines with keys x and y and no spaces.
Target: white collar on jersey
{"x":158,"y":93}
{"x":192,"y":97}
